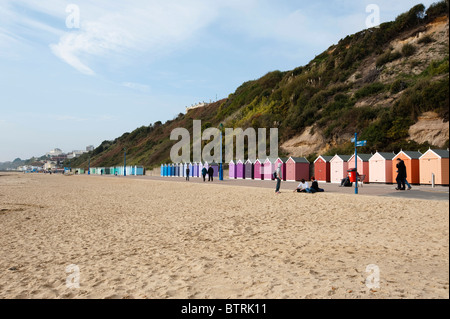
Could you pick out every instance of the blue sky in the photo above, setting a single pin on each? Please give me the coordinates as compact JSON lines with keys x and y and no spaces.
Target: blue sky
{"x":132,"y":63}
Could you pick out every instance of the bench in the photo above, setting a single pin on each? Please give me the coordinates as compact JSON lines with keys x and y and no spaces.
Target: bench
{"x":361,"y":179}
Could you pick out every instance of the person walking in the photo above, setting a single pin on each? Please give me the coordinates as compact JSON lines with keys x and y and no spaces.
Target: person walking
{"x":401,"y":175}
{"x":210,"y":174}
{"x":188,"y":172}
{"x":278,"y":176}
{"x":204,"y":172}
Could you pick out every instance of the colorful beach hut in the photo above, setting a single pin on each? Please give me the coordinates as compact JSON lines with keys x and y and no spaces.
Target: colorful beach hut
{"x":412,"y":163}
{"x":339,"y":167}
{"x":269,"y":168}
{"x":240,"y":170}
{"x":249,"y":169}
{"x":363,"y":165}
{"x":215,"y":167}
{"x":258,"y":170}
{"x":434,"y":162}
{"x":232,"y":169}
{"x":297,"y":168}
{"x":380,"y":167}
{"x":195,"y":169}
{"x":282,"y":161}
{"x":322,"y":168}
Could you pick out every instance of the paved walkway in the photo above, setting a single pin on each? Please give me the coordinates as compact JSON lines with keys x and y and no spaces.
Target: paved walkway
{"x":418,"y":191}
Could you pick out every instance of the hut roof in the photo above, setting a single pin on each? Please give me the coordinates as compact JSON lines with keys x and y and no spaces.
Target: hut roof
{"x":299,"y":159}
{"x":283,"y":159}
{"x":325,"y":158}
{"x":440,"y":153}
{"x":385,"y":155}
{"x":411,"y":154}
{"x":345,"y":158}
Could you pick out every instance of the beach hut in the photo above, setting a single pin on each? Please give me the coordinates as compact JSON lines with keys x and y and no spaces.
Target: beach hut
{"x":162,"y":170}
{"x":269,"y":168}
{"x":215,"y":167}
{"x":232,"y":170}
{"x":412,"y":163}
{"x":258,"y":170}
{"x":195,"y":170}
{"x":434,"y":162}
{"x":322,"y":168}
{"x":200,"y":168}
{"x":249,"y":169}
{"x":240,"y":170}
{"x":363,"y":165}
{"x":282,"y":161}
{"x":185,"y":167}
{"x":380,"y":167}
{"x":297,"y":168}
{"x":339,"y":167}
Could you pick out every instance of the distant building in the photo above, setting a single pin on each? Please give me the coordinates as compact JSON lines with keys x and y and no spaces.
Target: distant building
{"x":90,"y":148}
{"x":55,"y":152}
{"x":196,"y":106}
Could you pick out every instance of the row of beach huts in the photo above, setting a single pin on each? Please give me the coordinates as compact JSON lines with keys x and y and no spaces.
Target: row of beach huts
{"x":432,"y":167}
{"x":116,"y":170}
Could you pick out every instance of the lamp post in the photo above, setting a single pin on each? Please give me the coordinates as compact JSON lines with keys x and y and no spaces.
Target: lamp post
{"x":124,"y":162}
{"x":220,"y":162}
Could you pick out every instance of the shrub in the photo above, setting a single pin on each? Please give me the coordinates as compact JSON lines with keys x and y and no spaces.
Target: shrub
{"x":370,"y":89}
{"x":408,"y":50}
{"x":398,"y":86}
{"x":387,"y":57}
{"x":425,"y":40}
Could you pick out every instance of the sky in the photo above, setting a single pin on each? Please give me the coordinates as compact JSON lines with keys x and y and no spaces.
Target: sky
{"x":76,"y":73}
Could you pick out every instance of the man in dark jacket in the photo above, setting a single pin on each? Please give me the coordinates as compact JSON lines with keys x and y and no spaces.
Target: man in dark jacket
{"x":210,"y":174}
{"x":401,"y":174}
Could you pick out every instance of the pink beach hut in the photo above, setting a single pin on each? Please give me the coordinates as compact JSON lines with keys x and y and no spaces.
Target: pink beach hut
{"x":339,"y":167}
{"x":240,"y":170}
{"x":283,"y":161}
{"x":434,"y":162}
{"x":380,"y":167}
{"x":258,"y":170}
{"x":363,"y":165}
{"x":232,"y":170}
{"x":297,"y":168}
{"x":269,"y":168}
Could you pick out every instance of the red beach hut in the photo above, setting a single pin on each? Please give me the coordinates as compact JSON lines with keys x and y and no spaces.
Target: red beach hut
{"x":434,"y":162}
{"x":258,"y":170}
{"x":322,"y":168}
{"x":297,"y":168}
{"x":339,"y":167}
{"x":412,"y":163}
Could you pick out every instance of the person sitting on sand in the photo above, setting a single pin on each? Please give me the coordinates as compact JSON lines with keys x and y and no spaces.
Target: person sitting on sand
{"x":301,"y":188}
{"x":314,"y":187}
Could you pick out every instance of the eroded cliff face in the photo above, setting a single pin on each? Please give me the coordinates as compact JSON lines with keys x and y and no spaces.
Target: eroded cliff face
{"x":430,"y":128}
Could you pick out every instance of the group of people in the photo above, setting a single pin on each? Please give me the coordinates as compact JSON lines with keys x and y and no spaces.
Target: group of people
{"x":209,"y":172}
{"x":401,"y":176}
{"x":303,"y":187}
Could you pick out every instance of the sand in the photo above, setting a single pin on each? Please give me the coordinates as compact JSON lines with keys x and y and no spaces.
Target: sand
{"x":132,"y":238}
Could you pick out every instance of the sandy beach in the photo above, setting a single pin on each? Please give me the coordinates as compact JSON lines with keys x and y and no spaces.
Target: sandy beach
{"x":132,"y":238}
